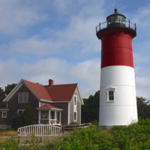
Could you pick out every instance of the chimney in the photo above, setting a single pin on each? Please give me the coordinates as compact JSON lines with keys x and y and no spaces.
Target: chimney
{"x":51,"y":82}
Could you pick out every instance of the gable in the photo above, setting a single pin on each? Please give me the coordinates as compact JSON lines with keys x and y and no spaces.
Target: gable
{"x":22,"y":89}
{"x":55,"y":93}
{"x":78,"y":94}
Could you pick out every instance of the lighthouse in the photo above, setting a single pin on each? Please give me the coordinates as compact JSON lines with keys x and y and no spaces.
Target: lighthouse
{"x":117,"y":88}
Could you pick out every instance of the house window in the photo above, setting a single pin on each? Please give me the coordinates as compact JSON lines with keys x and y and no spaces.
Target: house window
{"x":75,"y":100}
{"x":20,"y":111}
{"x":110,"y":94}
{"x":75,"y":116}
{"x":75,"y":108}
{"x":44,"y":114}
{"x":4,"y":114}
{"x":23,"y":97}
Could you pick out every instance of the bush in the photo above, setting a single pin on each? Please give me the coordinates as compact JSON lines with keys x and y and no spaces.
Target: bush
{"x":23,"y":119}
{"x":133,"y":137}
{"x":89,"y":138}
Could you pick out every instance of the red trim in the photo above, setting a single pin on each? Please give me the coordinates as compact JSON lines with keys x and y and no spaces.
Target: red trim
{"x":4,"y":108}
{"x":117,"y":49}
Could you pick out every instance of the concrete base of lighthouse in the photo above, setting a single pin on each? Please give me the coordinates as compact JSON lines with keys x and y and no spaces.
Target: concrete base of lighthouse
{"x":123,"y":109}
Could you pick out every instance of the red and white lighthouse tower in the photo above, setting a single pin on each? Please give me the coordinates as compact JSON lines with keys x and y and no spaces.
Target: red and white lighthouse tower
{"x":117,"y":90}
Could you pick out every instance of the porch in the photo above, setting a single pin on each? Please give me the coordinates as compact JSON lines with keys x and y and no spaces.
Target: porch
{"x":48,"y":114}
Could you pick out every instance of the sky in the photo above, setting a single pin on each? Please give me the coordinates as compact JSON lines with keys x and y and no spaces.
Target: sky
{"x":56,"y":39}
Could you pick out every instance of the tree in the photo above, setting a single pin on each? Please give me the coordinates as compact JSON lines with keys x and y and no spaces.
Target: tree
{"x":2,"y":96}
{"x":143,"y":106}
{"x":3,"y":93}
{"x":90,"y":109}
{"x":23,"y":119}
{"x":9,"y":88}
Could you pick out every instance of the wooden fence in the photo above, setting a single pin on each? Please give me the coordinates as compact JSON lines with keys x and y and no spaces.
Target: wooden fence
{"x":74,"y":126}
{"x":39,"y":130}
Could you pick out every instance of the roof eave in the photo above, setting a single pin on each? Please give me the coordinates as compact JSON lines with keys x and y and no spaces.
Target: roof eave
{"x":82,"y":102}
{"x":44,"y":100}
{"x":49,"y":109}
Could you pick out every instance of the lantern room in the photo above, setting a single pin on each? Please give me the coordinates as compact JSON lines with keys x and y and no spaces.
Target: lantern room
{"x":116,"y":20}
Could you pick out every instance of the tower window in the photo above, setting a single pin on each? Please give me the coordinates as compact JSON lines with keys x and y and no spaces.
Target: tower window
{"x":111,"y":95}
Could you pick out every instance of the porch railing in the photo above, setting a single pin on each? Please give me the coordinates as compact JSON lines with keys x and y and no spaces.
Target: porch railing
{"x":52,"y":121}
{"x":55,"y":121}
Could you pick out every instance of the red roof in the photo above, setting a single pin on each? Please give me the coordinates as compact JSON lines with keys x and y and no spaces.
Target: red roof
{"x":48,"y":106}
{"x":39,"y":90}
{"x":62,"y":92}
{"x":54,"y":93}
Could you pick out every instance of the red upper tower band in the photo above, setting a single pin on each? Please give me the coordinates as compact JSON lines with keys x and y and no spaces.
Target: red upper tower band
{"x":116,"y":40}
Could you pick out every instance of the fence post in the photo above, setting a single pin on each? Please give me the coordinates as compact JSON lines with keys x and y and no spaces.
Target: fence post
{"x":41,"y":139}
{"x":18,"y":137}
{"x":63,"y":129}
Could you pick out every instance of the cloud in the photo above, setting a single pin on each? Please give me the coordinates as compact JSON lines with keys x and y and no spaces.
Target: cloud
{"x":88,"y":74}
{"x":15,"y":16}
{"x":143,"y":87}
{"x":57,"y":39}
{"x":11,"y":71}
{"x":36,"y":47}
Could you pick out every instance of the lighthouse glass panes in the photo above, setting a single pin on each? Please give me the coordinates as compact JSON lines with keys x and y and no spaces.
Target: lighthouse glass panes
{"x":111,"y":95}
{"x":116,"y":19}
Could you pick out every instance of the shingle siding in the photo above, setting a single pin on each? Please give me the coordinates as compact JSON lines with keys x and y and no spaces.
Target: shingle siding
{"x":13,"y":104}
{"x":78,"y":107}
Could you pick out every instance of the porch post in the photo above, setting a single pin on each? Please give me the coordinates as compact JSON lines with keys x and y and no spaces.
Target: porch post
{"x":55,"y":116}
{"x":50,"y":117}
{"x":60,"y":117}
{"x":39,"y":117}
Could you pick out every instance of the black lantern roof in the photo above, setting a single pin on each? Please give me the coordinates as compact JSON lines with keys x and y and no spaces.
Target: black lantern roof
{"x":115,"y":14}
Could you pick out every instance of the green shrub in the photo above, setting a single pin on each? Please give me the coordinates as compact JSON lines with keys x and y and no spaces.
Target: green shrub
{"x":89,"y":138}
{"x":10,"y":144}
{"x":23,"y":119}
{"x":133,"y":137}
{"x":95,"y":122}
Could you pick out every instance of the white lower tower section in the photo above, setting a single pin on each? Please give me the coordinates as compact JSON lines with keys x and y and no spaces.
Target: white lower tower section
{"x":117,"y":96}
